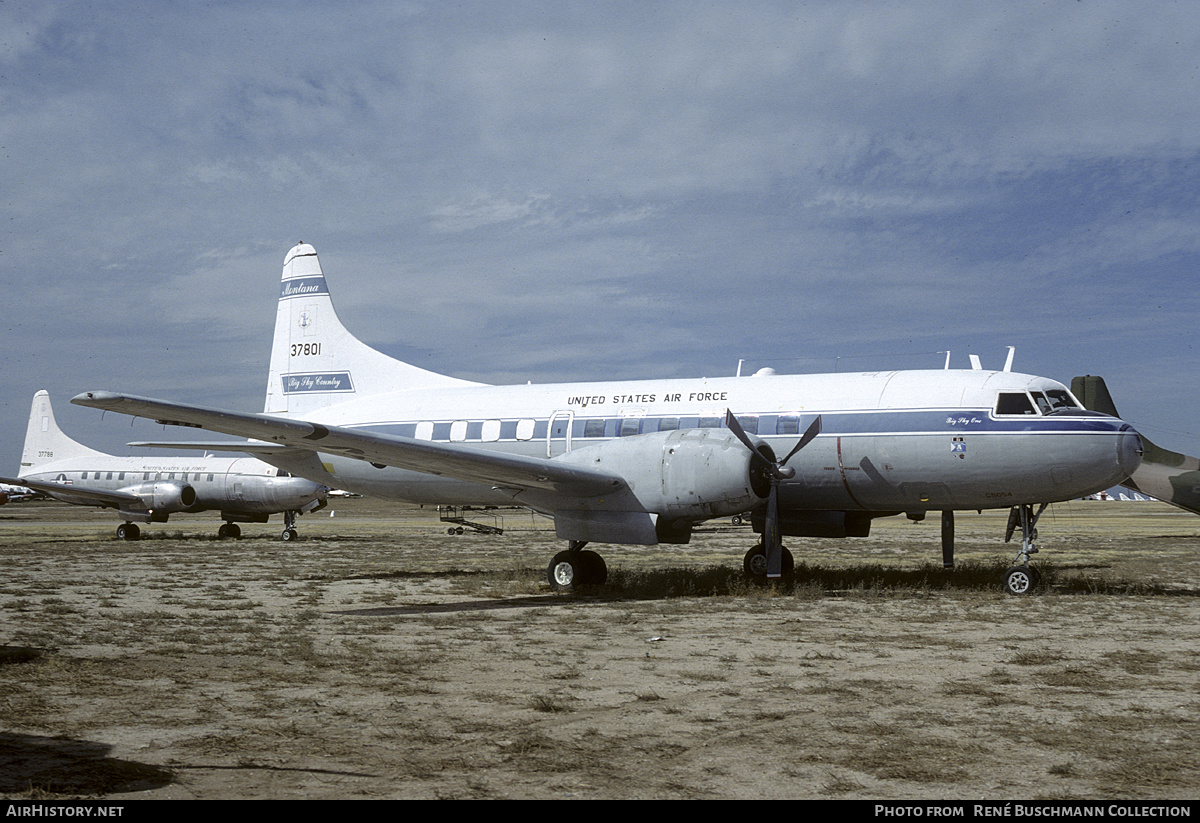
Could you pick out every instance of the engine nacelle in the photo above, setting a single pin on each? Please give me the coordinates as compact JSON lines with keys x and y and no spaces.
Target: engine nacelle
{"x":685,"y":475}
{"x":166,"y":497}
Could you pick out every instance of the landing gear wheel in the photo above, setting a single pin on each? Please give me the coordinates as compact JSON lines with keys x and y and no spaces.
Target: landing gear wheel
{"x":755,"y":563}
{"x":128,"y":531}
{"x":289,"y":535}
{"x":595,"y":570}
{"x":571,"y":569}
{"x":1020,"y":580}
{"x":232,"y":530}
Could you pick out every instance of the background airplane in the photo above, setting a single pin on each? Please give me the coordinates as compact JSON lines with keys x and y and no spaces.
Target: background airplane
{"x":1163,"y":474}
{"x":10,"y":493}
{"x":642,"y":462}
{"x":244,"y":489}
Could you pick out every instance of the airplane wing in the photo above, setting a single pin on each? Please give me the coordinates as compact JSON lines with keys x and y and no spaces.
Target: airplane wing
{"x":455,"y":460}
{"x":80,"y":495}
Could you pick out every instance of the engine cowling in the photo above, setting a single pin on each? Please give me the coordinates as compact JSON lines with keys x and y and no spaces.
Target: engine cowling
{"x":165,"y":496}
{"x":685,"y":475}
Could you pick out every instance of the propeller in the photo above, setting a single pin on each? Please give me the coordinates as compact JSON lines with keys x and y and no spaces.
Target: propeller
{"x":774,"y":471}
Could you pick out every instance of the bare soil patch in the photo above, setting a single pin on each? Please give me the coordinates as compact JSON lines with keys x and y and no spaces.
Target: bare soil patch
{"x":379,"y":657}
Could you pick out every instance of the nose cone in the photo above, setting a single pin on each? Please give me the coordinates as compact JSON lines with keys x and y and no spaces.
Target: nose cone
{"x":1129,"y":450}
{"x":299,"y":490}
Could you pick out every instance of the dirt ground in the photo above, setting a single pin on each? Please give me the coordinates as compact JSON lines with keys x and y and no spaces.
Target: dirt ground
{"x":379,"y":657}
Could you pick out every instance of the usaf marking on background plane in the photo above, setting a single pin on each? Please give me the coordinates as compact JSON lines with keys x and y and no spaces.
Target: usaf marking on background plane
{"x":244,"y":489}
{"x":642,"y":462}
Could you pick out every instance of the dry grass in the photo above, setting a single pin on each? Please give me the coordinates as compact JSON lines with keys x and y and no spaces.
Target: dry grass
{"x":378,"y":657}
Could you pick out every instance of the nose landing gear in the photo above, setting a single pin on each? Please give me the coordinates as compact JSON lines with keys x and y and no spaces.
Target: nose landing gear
{"x":1023,"y":578}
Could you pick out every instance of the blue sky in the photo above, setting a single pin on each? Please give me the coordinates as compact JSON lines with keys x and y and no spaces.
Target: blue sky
{"x":553,"y":191}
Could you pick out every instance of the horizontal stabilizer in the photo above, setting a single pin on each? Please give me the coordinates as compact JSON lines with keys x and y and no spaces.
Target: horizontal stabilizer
{"x":1166,"y":475}
{"x":243,"y":447}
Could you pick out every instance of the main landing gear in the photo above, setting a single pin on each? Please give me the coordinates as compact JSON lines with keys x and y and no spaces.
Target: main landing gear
{"x":1023,"y":578}
{"x":576,"y":567}
{"x":128,"y":531}
{"x":755,"y":563}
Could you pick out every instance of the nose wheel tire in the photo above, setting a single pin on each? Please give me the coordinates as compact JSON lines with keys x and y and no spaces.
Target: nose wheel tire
{"x":1021,"y":580}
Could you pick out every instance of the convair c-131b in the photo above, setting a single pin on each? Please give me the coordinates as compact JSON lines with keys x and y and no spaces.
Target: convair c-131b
{"x":643,"y":462}
{"x":148,"y":490}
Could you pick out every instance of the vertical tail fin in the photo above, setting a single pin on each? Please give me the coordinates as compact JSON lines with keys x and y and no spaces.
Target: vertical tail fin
{"x":45,"y":441}
{"x":315,"y":361}
{"x":1169,"y":476}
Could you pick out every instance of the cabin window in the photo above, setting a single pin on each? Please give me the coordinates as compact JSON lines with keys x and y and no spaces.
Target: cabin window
{"x":424,"y":430}
{"x":668,"y":424}
{"x":710,"y":422}
{"x":593,"y":427}
{"x":630,"y":426}
{"x":749,"y":423}
{"x":121,"y":476}
{"x":787,"y":424}
{"x":489,"y":431}
{"x":458,"y":431}
{"x":1014,"y":403}
{"x":525,"y":429}
{"x":108,"y":476}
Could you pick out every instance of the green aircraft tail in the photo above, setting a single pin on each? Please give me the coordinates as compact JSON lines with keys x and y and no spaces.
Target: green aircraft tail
{"x":1169,"y":476}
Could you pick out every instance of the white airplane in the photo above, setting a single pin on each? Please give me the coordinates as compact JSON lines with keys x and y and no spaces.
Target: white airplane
{"x":642,"y":462}
{"x":10,"y":493}
{"x":245,"y":489}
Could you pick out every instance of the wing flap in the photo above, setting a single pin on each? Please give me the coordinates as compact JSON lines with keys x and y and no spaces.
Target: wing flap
{"x":455,"y":460}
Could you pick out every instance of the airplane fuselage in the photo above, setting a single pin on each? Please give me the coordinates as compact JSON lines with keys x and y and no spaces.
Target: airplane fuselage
{"x":245,"y":486}
{"x":891,"y":441}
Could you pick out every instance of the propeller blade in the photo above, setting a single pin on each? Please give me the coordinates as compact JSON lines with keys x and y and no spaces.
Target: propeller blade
{"x":736,"y":427}
{"x":772,"y":539}
{"x":813,"y":430}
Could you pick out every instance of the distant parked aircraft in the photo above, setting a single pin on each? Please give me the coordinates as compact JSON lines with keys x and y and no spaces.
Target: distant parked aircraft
{"x":148,"y":490}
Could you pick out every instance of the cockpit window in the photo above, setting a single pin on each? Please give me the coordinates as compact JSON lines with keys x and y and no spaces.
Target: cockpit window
{"x":1014,"y":403}
{"x":1060,"y":399}
{"x":1050,"y":401}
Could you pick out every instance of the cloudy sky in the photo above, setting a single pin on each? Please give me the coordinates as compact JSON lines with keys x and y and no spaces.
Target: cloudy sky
{"x":557,"y":190}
